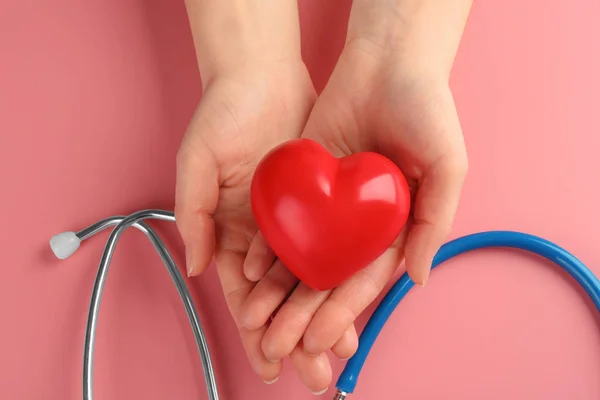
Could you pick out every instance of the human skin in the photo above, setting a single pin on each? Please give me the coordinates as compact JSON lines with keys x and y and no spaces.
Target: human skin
{"x":257,"y":94}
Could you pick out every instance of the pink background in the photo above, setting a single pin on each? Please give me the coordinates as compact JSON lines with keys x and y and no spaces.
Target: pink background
{"x":94,"y":99}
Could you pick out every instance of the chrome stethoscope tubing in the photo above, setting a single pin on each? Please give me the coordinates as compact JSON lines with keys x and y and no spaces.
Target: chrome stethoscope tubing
{"x":122,"y":223}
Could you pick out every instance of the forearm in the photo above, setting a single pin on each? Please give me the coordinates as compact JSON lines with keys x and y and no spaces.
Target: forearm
{"x":229,"y":33}
{"x":422,"y":35}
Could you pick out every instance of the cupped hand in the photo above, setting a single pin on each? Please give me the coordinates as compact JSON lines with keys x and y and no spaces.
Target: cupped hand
{"x":242,"y":115}
{"x":371,"y":103}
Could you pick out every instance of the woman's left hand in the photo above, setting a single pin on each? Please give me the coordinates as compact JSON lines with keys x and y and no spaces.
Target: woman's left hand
{"x":389,"y":93}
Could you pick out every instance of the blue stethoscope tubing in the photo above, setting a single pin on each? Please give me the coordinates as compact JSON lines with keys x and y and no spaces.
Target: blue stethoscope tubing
{"x":493,"y":239}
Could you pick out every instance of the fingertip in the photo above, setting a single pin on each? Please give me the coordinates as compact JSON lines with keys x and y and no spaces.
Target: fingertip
{"x":248,"y":272}
{"x":292,"y":320}
{"x":259,"y":259}
{"x":271,"y":377}
{"x":314,"y":371}
{"x":418,"y":273}
{"x":267,"y":296}
{"x":200,"y":249}
{"x":347,"y":345}
{"x":247,"y":319}
{"x":197,"y":231}
{"x":272,"y":381}
{"x":424,"y":241}
{"x":250,"y":316}
{"x":270,"y":348}
{"x":280,"y":340}
{"x":268,"y":371}
{"x":249,"y":268}
{"x":327,"y":327}
{"x":193,"y":267}
{"x":317,"y":340}
{"x":314,"y":344}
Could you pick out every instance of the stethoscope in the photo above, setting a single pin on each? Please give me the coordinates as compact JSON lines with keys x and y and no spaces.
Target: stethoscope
{"x":65,"y":244}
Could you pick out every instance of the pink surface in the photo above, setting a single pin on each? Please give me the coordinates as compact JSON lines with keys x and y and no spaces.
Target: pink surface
{"x":94,"y":98}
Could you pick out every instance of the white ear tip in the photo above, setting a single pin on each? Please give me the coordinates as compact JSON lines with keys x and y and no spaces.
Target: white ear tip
{"x":64,"y":244}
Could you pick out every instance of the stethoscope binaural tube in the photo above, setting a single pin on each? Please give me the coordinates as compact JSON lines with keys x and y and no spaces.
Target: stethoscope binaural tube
{"x":347,"y":381}
{"x":65,"y":244}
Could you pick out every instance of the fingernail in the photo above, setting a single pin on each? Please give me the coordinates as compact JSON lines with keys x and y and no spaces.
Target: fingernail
{"x":321,"y":392}
{"x":272,"y":382}
{"x":189,"y":263}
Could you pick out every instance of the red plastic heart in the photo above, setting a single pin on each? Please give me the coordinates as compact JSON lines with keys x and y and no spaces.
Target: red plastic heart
{"x":326,"y":218}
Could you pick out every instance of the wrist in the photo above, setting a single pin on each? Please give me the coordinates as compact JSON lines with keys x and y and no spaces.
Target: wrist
{"x":229,"y":34}
{"x":415,"y":35}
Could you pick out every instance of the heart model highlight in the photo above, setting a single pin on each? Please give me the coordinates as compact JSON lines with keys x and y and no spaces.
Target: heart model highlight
{"x":326,"y":218}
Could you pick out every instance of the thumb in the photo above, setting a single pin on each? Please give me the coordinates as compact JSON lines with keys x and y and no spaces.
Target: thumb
{"x":196,"y":197}
{"x":333,"y":124}
{"x":436,"y":202}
